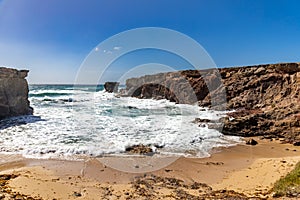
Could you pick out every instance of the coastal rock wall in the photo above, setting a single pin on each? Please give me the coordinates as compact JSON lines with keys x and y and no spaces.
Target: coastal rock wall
{"x":185,"y":87}
{"x":266,"y":97}
{"x":13,"y":93}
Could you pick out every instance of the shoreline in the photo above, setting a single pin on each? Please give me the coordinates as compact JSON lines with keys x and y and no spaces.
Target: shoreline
{"x":239,"y":168}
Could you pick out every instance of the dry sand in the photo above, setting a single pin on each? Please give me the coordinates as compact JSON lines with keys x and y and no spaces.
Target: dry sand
{"x":251,"y":170}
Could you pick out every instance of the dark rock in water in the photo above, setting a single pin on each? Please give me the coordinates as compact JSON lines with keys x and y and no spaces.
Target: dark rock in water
{"x":132,"y":107}
{"x":211,"y":124}
{"x":251,"y":142}
{"x":216,"y":126}
{"x":139,"y":149}
{"x":158,"y":146}
{"x":202,"y":125}
{"x":199,"y":120}
{"x":13,"y":93}
{"x":197,"y":140}
{"x":67,"y":100}
{"x":46,"y":99}
{"x":111,"y":86}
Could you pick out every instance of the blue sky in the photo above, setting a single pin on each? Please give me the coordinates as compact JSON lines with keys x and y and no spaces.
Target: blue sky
{"x":51,"y":38}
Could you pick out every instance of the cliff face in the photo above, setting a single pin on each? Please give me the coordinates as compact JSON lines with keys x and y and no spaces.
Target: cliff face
{"x":266,"y":97}
{"x":13,"y":93}
{"x":269,"y":96}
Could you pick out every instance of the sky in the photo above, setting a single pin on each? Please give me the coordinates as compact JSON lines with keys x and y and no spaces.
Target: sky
{"x":54,"y":38}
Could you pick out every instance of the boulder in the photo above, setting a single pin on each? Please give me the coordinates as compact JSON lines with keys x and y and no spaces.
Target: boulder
{"x":251,"y":142}
{"x":13,"y":93}
{"x":297,"y":143}
{"x":199,"y":120}
{"x":111,"y":86}
{"x":139,"y":149}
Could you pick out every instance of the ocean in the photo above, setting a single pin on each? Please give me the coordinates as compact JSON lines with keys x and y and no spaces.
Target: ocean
{"x":78,"y":121}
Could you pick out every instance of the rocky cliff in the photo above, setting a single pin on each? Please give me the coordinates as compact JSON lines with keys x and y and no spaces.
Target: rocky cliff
{"x":13,"y":93}
{"x":265,"y":97}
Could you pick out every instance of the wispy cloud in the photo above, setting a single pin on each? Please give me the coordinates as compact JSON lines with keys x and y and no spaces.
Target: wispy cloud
{"x":117,"y":48}
{"x":107,"y":51}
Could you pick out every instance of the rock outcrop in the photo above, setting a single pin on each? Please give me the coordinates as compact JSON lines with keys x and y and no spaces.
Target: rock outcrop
{"x":139,"y":149}
{"x":13,"y":93}
{"x":265,"y":97}
{"x":267,"y":101}
{"x":111,"y":86}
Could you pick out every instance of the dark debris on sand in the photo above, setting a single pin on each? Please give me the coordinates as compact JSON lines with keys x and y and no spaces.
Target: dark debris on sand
{"x":155,"y":187}
{"x":7,"y":193}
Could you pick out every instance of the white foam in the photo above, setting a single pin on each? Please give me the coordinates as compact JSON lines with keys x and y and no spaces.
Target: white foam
{"x":104,"y":124}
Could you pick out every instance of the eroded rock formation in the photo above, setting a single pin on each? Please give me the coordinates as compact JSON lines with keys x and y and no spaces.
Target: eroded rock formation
{"x":265,"y":97}
{"x":13,"y":93}
{"x":111,"y":86}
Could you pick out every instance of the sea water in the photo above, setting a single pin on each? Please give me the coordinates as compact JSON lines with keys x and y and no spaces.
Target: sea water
{"x":72,"y":121}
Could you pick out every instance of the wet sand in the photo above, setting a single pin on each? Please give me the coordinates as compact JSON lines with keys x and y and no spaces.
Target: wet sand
{"x":251,"y":170}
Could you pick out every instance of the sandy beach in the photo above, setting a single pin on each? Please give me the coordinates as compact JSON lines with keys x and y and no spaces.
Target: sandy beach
{"x":250,"y":171}
{"x":149,"y":100}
